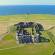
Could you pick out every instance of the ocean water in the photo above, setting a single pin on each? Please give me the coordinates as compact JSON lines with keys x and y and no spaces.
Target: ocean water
{"x":30,"y":9}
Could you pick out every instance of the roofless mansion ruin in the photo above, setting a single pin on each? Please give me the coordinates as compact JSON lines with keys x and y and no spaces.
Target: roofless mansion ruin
{"x":28,"y":32}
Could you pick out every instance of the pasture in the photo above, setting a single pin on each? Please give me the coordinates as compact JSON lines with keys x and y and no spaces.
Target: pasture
{"x":44,"y":48}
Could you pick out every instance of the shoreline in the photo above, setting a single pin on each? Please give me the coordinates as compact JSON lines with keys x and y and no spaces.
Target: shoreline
{"x":27,"y":14}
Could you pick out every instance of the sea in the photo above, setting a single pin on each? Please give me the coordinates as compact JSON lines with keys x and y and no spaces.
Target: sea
{"x":27,"y":9}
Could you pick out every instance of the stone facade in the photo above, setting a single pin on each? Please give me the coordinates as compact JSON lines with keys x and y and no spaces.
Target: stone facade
{"x":23,"y":36}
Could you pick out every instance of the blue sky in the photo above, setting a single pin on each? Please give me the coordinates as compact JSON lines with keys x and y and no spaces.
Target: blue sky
{"x":27,"y":2}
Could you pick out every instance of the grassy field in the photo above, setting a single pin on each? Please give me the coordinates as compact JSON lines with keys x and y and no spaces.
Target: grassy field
{"x":32,"y":49}
{"x":46,"y":20}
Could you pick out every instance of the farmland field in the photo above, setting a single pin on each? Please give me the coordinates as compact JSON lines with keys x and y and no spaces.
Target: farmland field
{"x":46,"y":20}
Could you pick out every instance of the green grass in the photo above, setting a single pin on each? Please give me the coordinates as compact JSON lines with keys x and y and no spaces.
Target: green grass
{"x":8,"y":37}
{"x":45,"y":48}
{"x":38,"y":49}
{"x":30,"y":49}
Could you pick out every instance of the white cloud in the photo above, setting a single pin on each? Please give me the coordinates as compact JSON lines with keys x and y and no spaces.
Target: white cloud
{"x":20,"y":2}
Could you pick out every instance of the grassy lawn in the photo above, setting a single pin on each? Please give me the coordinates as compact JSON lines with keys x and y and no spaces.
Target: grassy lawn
{"x":46,"y":20}
{"x":30,"y":49}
